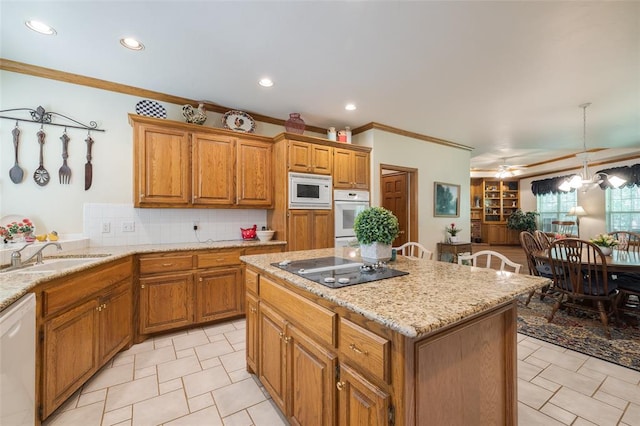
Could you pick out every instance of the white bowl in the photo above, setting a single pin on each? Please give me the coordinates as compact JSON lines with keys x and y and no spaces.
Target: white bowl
{"x":265,"y":235}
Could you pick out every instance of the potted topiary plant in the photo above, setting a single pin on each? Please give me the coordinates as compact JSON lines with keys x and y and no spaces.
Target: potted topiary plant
{"x":375,"y":228}
{"x":522,"y":221}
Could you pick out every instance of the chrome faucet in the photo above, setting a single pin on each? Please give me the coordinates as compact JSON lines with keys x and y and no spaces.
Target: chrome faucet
{"x":16,"y":256}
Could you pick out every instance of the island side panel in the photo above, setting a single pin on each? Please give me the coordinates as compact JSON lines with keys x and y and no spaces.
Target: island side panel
{"x":467,"y":374}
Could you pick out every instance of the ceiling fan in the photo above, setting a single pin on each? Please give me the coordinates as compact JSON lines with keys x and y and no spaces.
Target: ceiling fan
{"x":506,"y":170}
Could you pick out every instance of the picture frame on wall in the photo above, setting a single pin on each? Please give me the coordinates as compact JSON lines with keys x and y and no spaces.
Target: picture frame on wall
{"x":446,"y":200}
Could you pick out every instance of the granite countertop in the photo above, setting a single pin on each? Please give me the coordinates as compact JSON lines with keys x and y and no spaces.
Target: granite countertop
{"x":15,"y":284}
{"x":433,"y":295}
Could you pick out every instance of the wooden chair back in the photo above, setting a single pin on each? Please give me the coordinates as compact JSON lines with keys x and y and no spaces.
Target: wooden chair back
{"x":564,"y":227}
{"x":489,"y":255}
{"x":543,"y":239}
{"x":627,"y":240}
{"x":530,"y":245}
{"x":413,"y":250}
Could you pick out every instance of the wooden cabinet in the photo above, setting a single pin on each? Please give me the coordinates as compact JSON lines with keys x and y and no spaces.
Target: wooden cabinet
{"x":310,"y":229}
{"x":360,"y":401}
{"x":271,"y":370}
{"x":499,"y":234}
{"x":165,"y":302}
{"x":307,"y":157}
{"x":87,"y":319}
{"x":219,"y":294}
{"x":183,"y":165}
{"x":252,"y":332}
{"x":350,"y":169}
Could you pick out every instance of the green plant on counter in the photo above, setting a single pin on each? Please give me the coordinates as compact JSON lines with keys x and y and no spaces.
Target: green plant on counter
{"x":522,"y":221}
{"x":376,"y":225}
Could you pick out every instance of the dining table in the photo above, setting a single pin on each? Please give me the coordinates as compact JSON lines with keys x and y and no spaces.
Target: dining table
{"x":617,"y":261}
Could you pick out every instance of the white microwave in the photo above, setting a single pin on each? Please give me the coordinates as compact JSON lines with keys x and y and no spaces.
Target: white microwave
{"x":308,"y":191}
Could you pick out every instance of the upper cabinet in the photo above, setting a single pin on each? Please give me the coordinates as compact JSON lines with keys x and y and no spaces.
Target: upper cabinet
{"x":500,"y":199}
{"x":307,"y":157}
{"x":350,"y":169}
{"x":184,"y":165}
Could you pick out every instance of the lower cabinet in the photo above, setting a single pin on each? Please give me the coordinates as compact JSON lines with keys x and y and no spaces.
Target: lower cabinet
{"x":300,"y":365}
{"x":219,"y":294}
{"x":499,"y":234}
{"x":80,"y":336}
{"x":165,"y":302}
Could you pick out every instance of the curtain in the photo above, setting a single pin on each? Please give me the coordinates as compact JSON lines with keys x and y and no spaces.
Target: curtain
{"x":546,"y":186}
{"x":630,"y":173}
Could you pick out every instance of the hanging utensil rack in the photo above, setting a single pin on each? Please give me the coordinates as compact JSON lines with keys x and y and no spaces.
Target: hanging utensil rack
{"x":39,"y":115}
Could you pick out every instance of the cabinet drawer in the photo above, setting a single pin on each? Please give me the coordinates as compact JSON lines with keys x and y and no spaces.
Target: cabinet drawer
{"x":155,"y":264}
{"x":251,"y":281}
{"x":82,"y":285}
{"x":218,"y":258}
{"x":303,"y":312}
{"x":366,"y":349}
{"x":263,"y":249}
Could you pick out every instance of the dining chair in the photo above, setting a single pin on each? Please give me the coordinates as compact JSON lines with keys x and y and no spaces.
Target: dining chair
{"x":580,"y":278}
{"x":415,"y":251}
{"x":628,"y":282}
{"x":542,"y":238}
{"x":564,"y":227}
{"x":537,"y":267}
{"x":489,"y":255}
{"x":627,"y":240}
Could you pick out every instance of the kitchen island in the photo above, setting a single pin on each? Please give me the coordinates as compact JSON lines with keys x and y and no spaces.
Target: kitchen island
{"x":436,"y":346}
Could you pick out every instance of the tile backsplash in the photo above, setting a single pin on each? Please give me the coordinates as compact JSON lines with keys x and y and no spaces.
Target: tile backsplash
{"x":122,"y":224}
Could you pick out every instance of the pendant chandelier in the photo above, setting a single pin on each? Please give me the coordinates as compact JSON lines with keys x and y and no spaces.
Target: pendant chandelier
{"x":584,"y":181}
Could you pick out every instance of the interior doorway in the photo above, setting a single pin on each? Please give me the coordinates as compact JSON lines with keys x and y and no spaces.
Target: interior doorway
{"x":399,"y":193}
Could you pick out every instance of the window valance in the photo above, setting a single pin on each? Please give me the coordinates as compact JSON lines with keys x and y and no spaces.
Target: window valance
{"x":548,"y":186}
{"x":629,"y":173}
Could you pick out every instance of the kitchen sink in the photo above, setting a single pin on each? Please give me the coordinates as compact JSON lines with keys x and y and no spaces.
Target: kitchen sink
{"x":56,"y":265}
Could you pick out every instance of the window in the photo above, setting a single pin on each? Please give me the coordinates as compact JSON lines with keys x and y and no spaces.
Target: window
{"x":623,"y":209}
{"x":555,"y":207}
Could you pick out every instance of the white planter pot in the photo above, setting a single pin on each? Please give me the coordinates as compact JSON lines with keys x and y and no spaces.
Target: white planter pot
{"x":376,"y":252}
{"x":453,"y":239}
{"x":606,"y":250}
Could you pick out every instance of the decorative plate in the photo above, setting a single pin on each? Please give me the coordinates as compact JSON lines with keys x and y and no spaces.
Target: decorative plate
{"x":150,"y":109}
{"x":239,"y":121}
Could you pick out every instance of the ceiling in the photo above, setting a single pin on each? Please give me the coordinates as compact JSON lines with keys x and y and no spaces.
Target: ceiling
{"x":505,"y":78}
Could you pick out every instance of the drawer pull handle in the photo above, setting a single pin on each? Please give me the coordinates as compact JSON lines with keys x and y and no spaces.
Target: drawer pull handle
{"x":253,"y":310}
{"x":167,"y":264}
{"x":281,"y":334}
{"x":142,"y":286}
{"x":357,"y":350}
{"x":340,"y":385}
{"x":287,"y":339}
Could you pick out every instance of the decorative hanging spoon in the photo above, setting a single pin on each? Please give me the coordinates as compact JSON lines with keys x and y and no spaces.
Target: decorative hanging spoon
{"x":16,"y":173}
{"x":41,"y":175}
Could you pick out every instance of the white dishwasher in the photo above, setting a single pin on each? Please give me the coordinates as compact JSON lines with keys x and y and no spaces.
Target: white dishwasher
{"x":18,"y":362}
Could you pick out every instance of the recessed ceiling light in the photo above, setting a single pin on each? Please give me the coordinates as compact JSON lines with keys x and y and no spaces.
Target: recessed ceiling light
{"x":350,"y":107}
{"x":40,"y":27}
{"x":265,"y":82}
{"x":131,"y":43}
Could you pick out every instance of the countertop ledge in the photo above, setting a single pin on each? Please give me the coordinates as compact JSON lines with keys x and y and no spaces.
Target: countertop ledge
{"x":15,"y":284}
{"x":434,"y":294}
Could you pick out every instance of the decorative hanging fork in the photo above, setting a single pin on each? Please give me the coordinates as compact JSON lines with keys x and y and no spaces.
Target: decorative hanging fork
{"x":64,"y":173}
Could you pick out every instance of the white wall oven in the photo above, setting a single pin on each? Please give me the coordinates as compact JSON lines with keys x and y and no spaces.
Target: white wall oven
{"x":347,"y":205}
{"x":309,"y":191}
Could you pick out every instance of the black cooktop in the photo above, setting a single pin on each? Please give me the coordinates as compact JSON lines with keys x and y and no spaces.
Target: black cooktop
{"x":336,"y":272}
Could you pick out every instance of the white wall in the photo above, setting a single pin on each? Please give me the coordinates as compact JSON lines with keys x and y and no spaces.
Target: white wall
{"x":435,"y":163}
{"x":60,"y":207}
{"x":593,"y":201}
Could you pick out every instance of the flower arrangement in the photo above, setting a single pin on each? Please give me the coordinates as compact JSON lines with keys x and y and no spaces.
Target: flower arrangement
{"x":4,"y":234}
{"x":452,"y":230}
{"x":25,"y":227}
{"x":604,"y":240}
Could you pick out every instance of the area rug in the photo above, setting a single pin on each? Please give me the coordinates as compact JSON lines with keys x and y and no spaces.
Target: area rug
{"x":581,"y":332}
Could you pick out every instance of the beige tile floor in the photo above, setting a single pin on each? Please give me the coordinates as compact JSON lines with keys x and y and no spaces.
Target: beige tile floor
{"x":198,"y":378}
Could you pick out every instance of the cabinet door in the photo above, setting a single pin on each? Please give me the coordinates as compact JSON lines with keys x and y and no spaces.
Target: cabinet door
{"x":311,"y":380}
{"x":252,"y":333}
{"x":116,"y":320}
{"x":360,"y":402}
{"x":272,"y":355}
{"x":321,"y":159}
{"x":300,"y":156}
{"x":299,"y":237}
{"x":360,"y":164}
{"x":496,"y":234}
{"x":213,"y":169}
{"x":342,"y":170}
{"x":165,"y":302}
{"x":254,"y":174}
{"x":219,"y":294}
{"x":70,"y":353}
{"x":161,"y":167}
{"x":322,"y":229}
